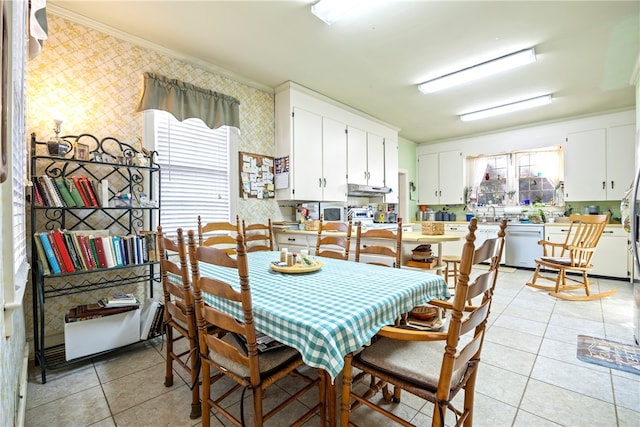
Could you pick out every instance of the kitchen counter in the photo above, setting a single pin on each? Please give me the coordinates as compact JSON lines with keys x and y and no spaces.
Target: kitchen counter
{"x":407,"y":236}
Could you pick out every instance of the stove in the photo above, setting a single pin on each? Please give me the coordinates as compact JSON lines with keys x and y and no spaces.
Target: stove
{"x":368,"y":223}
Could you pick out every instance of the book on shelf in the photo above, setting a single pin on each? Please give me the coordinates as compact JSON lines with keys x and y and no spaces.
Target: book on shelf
{"x":147,"y":316}
{"x":73,"y":252}
{"x":99,"y":252}
{"x":56,"y":251}
{"x":88,"y":189}
{"x":69,"y":201}
{"x":150,"y":243}
{"x":75,"y":194}
{"x":48,"y":250}
{"x":42,"y":256}
{"x":54,"y":199}
{"x":37,"y":193}
{"x":157,"y":326}
{"x":108,"y":251}
{"x":81,"y":192}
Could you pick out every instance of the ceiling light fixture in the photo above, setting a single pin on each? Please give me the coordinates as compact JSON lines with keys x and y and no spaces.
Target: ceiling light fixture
{"x":332,"y":10}
{"x":494,"y":66}
{"x":507,"y":108}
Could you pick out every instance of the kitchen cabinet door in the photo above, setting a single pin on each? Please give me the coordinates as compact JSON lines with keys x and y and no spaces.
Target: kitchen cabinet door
{"x":620,"y":160}
{"x":455,"y":248}
{"x":584,"y":166}
{"x":428,"y":180}
{"x":356,"y":155}
{"x":334,"y":160}
{"x":375,"y":160}
{"x":307,"y":154}
{"x":441,"y":178}
{"x":451,"y":175}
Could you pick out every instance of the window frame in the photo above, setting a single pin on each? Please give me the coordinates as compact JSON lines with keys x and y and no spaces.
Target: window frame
{"x":150,"y":139}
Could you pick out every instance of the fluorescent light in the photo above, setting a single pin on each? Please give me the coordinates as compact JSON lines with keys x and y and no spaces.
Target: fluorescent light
{"x":507,"y":108}
{"x":484,"y":69}
{"x":332,"y":10}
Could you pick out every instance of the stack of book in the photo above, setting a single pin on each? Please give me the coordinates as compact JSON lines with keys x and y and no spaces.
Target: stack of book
{"x":62,"y":251}
{"x":115,"y":305}
{"x":68,"y":192}
{"x":119,"y":300}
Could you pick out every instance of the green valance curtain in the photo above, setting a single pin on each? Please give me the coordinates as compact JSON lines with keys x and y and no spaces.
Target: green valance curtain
{"x":185,"y":100}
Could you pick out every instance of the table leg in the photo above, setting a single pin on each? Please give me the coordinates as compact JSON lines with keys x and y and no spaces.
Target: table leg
{"x":439,"y":266}
{"x":331,"y":400}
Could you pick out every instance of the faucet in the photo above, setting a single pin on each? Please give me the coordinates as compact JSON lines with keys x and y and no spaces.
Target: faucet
{"x":493,"y":218}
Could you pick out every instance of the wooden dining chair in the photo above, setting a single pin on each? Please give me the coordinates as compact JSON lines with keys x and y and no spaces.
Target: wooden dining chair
{"x":258,"y":237}
{"x":434,"y":366}
{"x":220,"y":234}
{"x":179,"y":314}
{"x":232,"y":352}
{"x":385,"y":248}
{"x":572,"y":255}
{"x":331,"y":246}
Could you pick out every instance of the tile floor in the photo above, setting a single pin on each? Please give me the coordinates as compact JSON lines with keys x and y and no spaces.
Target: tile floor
{"x":529,"y":376}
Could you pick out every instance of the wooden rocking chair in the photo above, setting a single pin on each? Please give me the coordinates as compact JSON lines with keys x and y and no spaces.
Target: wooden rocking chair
{"x":572,"y":255}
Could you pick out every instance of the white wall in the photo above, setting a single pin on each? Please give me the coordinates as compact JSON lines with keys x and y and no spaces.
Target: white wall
{"x":527,"y":138}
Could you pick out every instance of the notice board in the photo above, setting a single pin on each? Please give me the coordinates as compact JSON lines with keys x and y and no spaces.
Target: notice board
{"x":256,"y":176}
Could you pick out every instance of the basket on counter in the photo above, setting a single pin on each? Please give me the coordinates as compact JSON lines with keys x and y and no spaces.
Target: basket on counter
{"x":312,"y":225}
{"x":432,"y":228}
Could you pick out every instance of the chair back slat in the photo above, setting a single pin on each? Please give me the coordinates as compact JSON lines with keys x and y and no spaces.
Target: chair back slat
{"x":387,"y":244}
{"x":333,"y":246}
{"x":258,"y":237}
{"x":220,"y":234}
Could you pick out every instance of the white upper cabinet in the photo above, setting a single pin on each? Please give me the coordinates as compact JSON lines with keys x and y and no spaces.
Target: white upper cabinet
{"x":365,"y":157}
{"x":441,"y":178}
{"x":334,"y":160}
{"x":599,"y":163}
{"x":324,"y":141}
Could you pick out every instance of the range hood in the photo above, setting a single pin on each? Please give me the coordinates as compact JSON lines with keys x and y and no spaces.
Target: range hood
{"x":366,"y":190}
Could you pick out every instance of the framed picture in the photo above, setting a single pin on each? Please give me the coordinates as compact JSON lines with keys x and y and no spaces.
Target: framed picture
{"x":82,"y":151}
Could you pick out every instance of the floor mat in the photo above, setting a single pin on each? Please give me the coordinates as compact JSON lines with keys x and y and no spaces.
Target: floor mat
{"x":611,"y":354}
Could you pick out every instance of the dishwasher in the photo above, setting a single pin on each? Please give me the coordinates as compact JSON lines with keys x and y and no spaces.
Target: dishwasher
{"x":521,"y":244}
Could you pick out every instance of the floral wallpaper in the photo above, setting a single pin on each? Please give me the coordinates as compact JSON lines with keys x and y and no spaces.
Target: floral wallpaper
{"x":93,"y":82}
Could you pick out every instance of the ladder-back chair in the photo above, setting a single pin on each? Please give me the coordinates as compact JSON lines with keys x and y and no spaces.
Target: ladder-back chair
{"x":258,"y":237}
{"x":232,"y":352}
{"x":179,"y":314}
{"x":434,"y":366}
{"x":220,"y":234}
{"x":385,"y":248}
{"x":572,"y":255}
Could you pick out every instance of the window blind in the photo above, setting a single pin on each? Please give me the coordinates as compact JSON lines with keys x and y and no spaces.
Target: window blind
{"x":194,"y":161}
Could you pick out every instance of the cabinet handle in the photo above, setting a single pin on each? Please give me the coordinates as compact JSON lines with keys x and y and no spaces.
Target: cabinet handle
{"x":607,"y":231}
{"x":320,"y":182}
{"x":324,"y":182}
{"x":291,"y":239}
{"x":440,"y":193}
{"x":435,"y":193}
{"x":612,"y":185}
{"x":604,"y":185}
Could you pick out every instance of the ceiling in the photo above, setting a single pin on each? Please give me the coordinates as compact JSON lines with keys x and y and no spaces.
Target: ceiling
{"x":587,"y":53}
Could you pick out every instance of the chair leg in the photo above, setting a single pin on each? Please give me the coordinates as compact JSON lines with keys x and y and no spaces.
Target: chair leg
{"x":257,"y":407}
{"x":206,"y":395}
{"x":196,"y":408}
{"x":168,"y":376}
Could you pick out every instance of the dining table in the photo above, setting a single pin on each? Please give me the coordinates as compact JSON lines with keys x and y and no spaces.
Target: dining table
{"x":330,"y":312}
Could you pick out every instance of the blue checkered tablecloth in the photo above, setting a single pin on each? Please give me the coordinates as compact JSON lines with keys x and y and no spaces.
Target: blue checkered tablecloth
{"x":331,"y":312}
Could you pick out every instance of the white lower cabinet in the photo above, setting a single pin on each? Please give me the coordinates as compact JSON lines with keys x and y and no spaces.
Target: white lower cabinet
{"x":295,"y":242}
{"x":611,"y":256}
{"x":455,"y":248}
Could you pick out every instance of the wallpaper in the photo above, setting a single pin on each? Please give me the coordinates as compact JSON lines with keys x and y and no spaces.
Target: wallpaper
{"x":93,"y":82}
